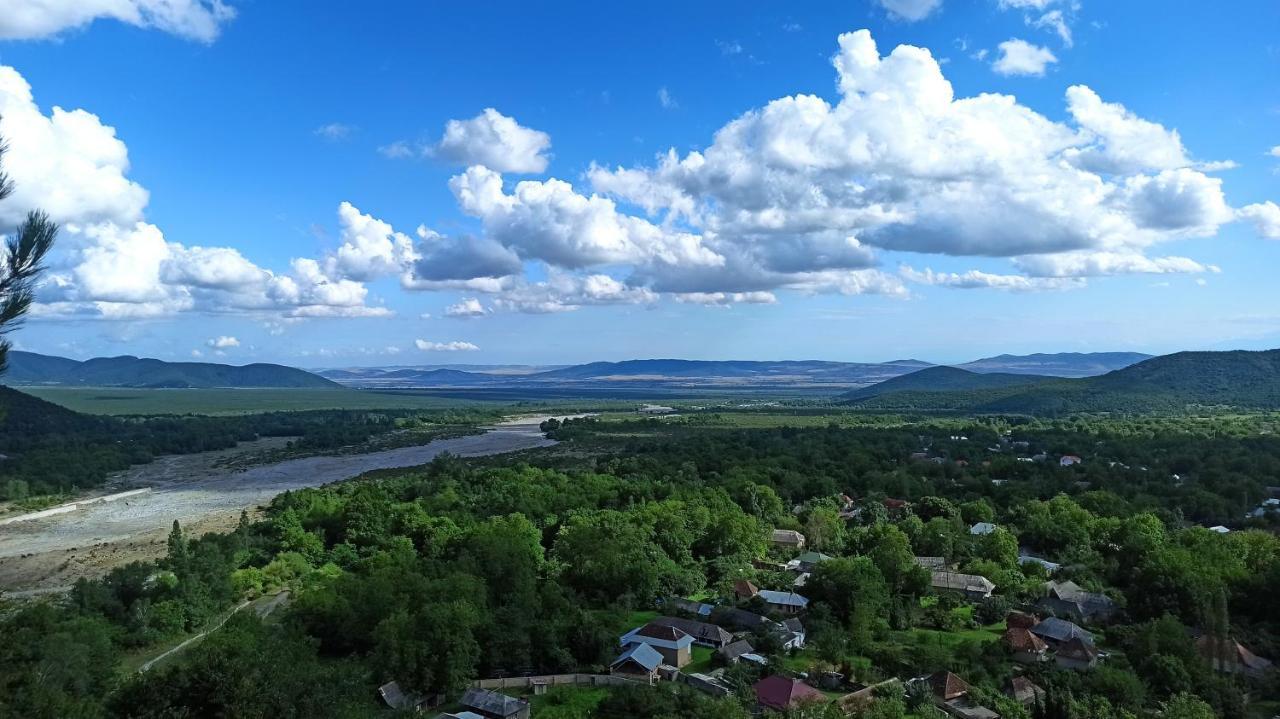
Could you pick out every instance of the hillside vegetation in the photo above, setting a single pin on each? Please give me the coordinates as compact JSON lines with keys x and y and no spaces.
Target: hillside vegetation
{"x":1187,"y":380}
{"x":28,"y":368}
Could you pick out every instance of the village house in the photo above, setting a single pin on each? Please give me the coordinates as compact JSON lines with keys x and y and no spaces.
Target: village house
{"x":1024,"y":691}
{"x":744,"y":589}
{"x":972,"y":586}
{"x":982,"y":529}
{"x":1050,"y":567}
{"x":703,"y":633}
{"x":787,"y":539}
{"x":730,"y":653}
{"x":1231,"y":657}
{"x":1069,"y":460}
{"x":637,"y":661}
{"x":1076,"y":653}
{"x":784,"y":602}
{"x":494,"y":705}
{"x":1070,"y":600}
{"x":706,"y":684}
{"x":933,"y":564}
{"x":807,"y":561}
{"x":1020,"y":620}
{"x":741,"y":618}
{"x":950,"y":693}
{"x":397,"y":698}
{"x":688,"y":606}
{"x":1026,"y":647}
{"x":673,"y":644}
{"x":459,"y":715}
{"x":1057,"y":632}
{"x":783,"y":694}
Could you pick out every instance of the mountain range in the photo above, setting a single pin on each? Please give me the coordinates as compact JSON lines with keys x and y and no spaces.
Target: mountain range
{"x":1238,"y":379}
{"x":29,"y":368}
{"x":727,"y":374}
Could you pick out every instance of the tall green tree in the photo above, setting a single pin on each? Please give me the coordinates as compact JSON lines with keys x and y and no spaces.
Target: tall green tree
{"x":23,"y":260}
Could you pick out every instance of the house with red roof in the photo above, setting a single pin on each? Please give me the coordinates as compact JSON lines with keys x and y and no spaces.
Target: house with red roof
{"x":782,"y":694}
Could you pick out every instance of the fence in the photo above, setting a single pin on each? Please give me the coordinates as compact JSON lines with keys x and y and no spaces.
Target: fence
{"x":553,"y":680}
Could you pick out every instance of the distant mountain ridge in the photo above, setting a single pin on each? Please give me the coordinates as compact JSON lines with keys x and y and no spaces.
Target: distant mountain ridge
{"x":1235,"y":379}
{"x":724,"y":373}
{"x":29,"y":368}
{"x":943,"y":378}
{"x":1061,"y":364}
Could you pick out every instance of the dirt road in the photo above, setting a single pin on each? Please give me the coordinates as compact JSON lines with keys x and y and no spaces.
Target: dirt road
{"x":53,"y":551}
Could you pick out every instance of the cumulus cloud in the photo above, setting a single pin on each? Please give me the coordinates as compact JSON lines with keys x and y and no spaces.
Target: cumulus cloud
{"x":910,"y":10}
{"x":199,"y":20}
{"x":495,"y":141}
{"x":469,"y":307}
{"x":977,"y":279}
{"x":460,"y":262}
{"x":1275,"y":151}
{"x":800,"y":193}
{"x":223,"y":342}
{"x":1265,"y":217}
{"x":665,"y":99}
{"x":1019,"y":57}
{"x":427,"y":346}
{"x":111,"y":263}
{"x":370,"y":247}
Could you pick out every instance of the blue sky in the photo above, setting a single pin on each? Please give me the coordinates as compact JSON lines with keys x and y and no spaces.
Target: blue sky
{"x":873,"y":216}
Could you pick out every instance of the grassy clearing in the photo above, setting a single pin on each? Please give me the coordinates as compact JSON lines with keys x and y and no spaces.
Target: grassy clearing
{"x":126,"y":401}
{"x":568,"y":702}
{"x":703,"y":661}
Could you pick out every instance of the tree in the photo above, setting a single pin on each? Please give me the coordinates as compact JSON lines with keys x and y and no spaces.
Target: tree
{"x":23,"y":261}
{"x":1186,"y":706}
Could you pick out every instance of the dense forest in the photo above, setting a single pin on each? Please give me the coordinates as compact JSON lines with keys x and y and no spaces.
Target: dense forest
{"x":468,"y":569}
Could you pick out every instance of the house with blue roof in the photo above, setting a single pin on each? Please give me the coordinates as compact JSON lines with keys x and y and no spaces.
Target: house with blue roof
{"x":784,"y":602}
{"x":637,"y":661}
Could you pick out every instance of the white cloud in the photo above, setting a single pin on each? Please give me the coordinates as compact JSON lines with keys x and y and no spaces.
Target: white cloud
{"x":1122,"y":142}
{"x":910,"y":10}
{"x":495,"y":141}
{"x":427,"y":346}
{"x":799,"y":193}
{"x":1019,"y":57}
{"x":200,"y":20}
{"x":551,"y":222}
{"x":398,"y":150}
{"x":333,"y":131}
{"x":1275,"y":151}
{"x":111,"y":263}
{"x":665,"y":99}
{"x":223,"y":342}
{"x":469,"y":307}
{"x":1025,"y":4}
{"x":566,"y":292}
{"x":68,"y":162}
{"x":977,"y":279}
{"x":1056,"y":21}
{"x":370,"y":247}
{"x":1098,"y":264}
{"x":1265,"y":217}
{"x":724,"y":299}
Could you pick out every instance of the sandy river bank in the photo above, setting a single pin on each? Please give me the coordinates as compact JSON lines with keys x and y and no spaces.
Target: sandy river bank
{"x":53,"y":551}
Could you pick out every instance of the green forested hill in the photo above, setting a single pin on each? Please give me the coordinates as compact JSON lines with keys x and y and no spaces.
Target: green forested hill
{"x":1238,"y":379}
{"x":28,"y":368}
{"x":942,"y":378}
